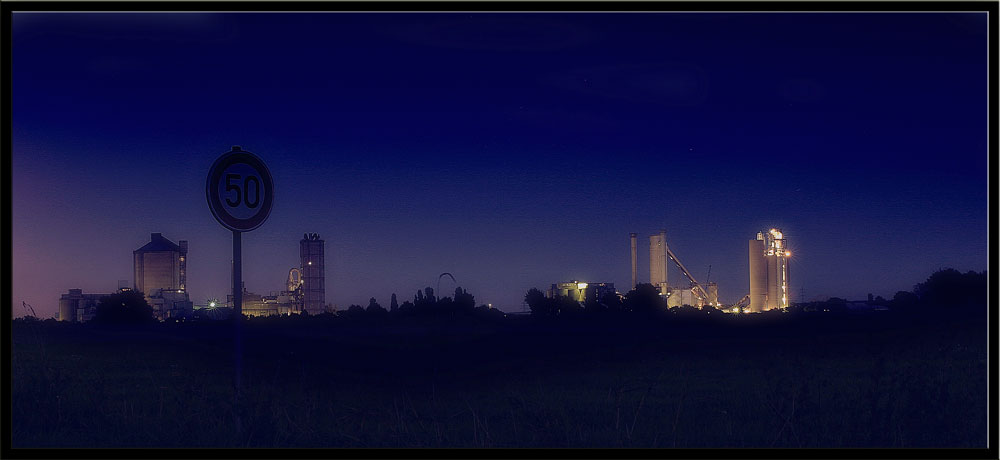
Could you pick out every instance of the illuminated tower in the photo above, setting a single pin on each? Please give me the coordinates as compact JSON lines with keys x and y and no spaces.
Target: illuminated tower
{"x":658,"y":261}
{"x":769,"y":271}
{"x":312,"y":274}
{"x":160,"y":265}
{"x":632,"y":237}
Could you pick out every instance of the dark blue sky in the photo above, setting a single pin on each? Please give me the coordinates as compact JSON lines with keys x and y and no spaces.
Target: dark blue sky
{"x":512,"y":150}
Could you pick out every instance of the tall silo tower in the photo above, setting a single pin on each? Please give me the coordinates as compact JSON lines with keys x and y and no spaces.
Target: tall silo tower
{"x":758,"y":274}
{"x":313,"y":276}
{"x":769,"y":282}
{"x":658,"y":261}
{"x":160,"y":265}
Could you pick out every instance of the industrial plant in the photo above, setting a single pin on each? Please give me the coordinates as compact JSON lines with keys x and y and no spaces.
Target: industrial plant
{"x":160,"y":273}
{"x":304,"y":289}
{"x":769,"y":281}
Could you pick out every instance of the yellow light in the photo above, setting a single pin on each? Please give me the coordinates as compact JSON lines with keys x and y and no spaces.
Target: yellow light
{"x":581,"y":285}
{"x":788,"y":253}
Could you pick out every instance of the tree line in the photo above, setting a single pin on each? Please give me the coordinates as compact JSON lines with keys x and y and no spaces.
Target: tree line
{"x":946,"y":291}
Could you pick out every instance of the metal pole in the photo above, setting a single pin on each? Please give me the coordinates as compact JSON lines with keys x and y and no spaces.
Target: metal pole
{"x":238,"y":327}
{"x":238,"y":305}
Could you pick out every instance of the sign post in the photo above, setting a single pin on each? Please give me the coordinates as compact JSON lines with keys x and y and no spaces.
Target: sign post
{"x":240,"y":192}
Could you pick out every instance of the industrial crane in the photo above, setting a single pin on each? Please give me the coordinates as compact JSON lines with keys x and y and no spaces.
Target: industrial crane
{"x":697,"y":286}
{"x":701,"y":290}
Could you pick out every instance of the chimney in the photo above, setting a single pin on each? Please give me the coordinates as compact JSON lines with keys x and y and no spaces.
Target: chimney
{"x":632,"y":237}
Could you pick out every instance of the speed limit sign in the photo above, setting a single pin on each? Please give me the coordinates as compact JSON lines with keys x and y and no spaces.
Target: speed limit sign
{"x":240,"y":193}
{"x":240,"y":190}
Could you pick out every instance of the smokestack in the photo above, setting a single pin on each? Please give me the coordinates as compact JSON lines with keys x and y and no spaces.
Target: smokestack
{"x":632,"y":237}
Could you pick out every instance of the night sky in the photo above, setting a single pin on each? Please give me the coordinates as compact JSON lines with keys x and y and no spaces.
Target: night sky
{"x":511,"y":150}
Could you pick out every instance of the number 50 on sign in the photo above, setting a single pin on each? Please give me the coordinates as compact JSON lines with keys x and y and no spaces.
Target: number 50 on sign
{"x":239,"y":190}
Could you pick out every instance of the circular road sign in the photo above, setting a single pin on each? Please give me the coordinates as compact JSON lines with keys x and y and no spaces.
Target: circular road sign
{"x":239,"y":190}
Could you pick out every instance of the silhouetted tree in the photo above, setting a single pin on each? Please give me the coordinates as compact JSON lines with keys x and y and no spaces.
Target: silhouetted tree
{"x":354,"y":311}
{"x":686,"y":311}
{"x":951,"y":289}
{"x":710,"y":309}
{"x":613,"y":302}
{"x":484,"y":311}
{"x":393,"y":306}
{"x":425,"y":301}
{"x":568,"y":306}
{"x":464,"y":301}
{"x":593,"y":307}
{"x":903,"y":300}
{"x":374,"y":308}
{"x":645,"y":299}
{"x":539,"y":304}
{"x":129,"y":307}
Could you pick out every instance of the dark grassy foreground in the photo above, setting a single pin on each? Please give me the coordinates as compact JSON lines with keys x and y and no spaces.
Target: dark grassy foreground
{"x":804,"y":381}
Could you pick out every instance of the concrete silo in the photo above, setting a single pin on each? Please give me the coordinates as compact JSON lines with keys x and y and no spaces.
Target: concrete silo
{"x":658,"y":261}
{"x":769,"y":271}
{"x":758,"y":274}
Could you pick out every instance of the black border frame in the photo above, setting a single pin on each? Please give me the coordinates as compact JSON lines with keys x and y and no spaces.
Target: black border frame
{"x":989,"y":7}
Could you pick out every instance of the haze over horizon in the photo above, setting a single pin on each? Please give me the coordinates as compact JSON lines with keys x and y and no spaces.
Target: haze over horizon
{"x":511,"y":150}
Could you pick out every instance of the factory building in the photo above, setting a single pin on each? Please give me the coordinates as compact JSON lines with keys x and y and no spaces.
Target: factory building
{"x":288,"y":302}
{"x":580,"y":291}
{"x":292,"y":300}
{"x":769,"y":271}
{"x":678,"y":296}
{"x":77,"y":307}
{"x":658,"y":261}
{"x":312,"y":273}
{"x":160,"y":271}
{"x":277,"y":303}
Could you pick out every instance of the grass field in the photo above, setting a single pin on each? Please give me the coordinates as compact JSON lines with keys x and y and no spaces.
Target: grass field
{"x":835,"y":381}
